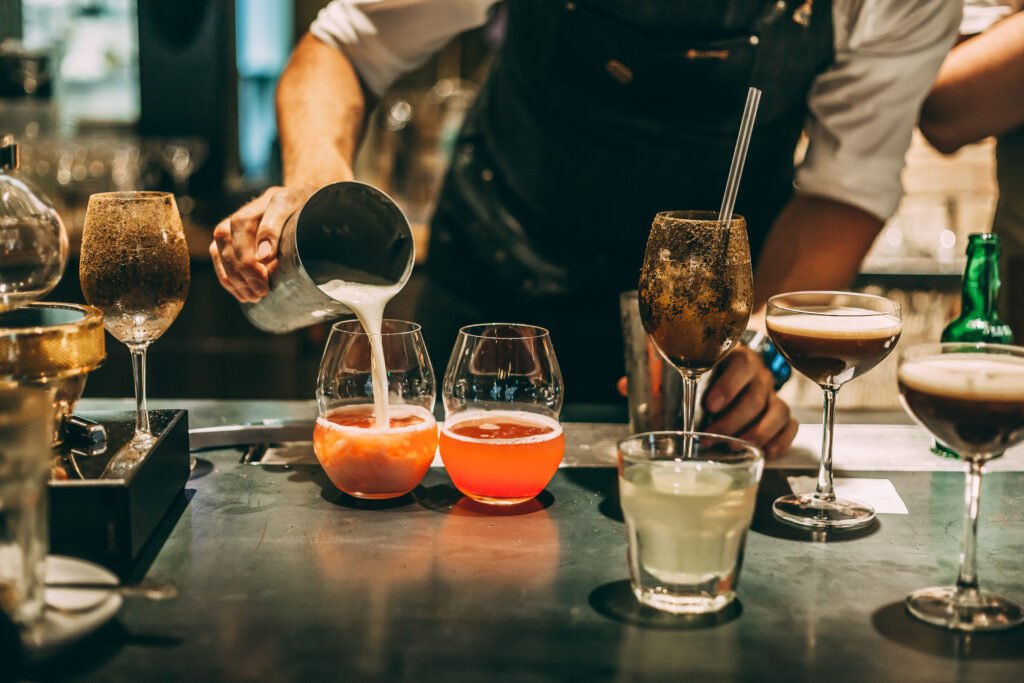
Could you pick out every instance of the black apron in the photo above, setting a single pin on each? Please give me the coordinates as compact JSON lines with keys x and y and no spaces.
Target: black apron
{"x":596,"y":115}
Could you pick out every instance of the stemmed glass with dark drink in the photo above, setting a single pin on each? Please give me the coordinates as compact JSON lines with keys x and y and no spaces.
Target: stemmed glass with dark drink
{"x":971,"y":398}
{"x":831,"y":338}
{"x":696,"y":291}
{"x":135,"y":268}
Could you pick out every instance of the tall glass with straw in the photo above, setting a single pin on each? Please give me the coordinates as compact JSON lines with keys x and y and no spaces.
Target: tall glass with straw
{"x":696,"y":285}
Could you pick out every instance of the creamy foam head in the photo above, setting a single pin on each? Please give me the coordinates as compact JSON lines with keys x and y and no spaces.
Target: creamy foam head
{"x":397,"y":411}
{"x":836,"y":322}
{"x":493,"y":416}
{"x":970,"y":376}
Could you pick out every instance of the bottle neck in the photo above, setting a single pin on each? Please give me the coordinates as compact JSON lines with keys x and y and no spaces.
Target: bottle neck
{"x":981,"y":281}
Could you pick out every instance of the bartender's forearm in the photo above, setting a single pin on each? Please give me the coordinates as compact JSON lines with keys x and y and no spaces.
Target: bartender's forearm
{"x":979,"y":90}
{"x":815,"y":243}
{"x":320,"y":108}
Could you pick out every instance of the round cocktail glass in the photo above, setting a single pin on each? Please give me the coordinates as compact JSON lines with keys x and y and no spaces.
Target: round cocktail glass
{"x":971,"y":398}
{"x":360,"y":457}
{"x":688,"y":500}
{"x":696,"y":291}
{"x":830,"y":338}
{"x":502,"y":442}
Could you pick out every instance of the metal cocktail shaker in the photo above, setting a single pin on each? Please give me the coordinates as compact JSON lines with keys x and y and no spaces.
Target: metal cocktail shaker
{"x":655,"y":392}
{"x":347,"y":231}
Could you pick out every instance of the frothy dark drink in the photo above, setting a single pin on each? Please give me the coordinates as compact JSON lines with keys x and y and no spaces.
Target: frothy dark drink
{"x":972,"y":402}
{"x":135,"y":267}
{"x":695,"y":293}
{"x":833,"y":344}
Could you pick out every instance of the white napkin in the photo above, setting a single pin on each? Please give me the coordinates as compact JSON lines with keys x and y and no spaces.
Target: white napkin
{"x":881,"y":448}
{"x":878,"y":493}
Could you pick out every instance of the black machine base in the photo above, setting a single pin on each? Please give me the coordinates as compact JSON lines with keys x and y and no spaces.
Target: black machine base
{"x":105,"y":506}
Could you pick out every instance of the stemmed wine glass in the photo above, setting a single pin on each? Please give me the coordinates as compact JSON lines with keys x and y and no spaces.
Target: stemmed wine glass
{"x":696,"y":291}
{"x":182,"y":157}
{"x":830,"y":338}
{"x":971,"y":398}
{"x":502,"y":442}
{"x":135,"y":268}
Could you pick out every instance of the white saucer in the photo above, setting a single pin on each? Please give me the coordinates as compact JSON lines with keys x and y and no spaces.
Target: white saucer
{"x":71,"y":614}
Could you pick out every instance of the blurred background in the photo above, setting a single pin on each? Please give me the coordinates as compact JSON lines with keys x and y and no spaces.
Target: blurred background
{"x":179,"y":96}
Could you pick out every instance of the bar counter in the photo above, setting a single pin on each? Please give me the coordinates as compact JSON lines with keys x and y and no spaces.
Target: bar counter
{"x":281,"y":578}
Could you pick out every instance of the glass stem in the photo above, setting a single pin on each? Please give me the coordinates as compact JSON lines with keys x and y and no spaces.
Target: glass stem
{"x":689,"y":400}
{"x":967,"y":581}
{"x":825,"y":490}
{"x":138,"y":352}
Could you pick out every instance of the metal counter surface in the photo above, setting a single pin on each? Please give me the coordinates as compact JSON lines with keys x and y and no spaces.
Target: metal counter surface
{"x":281,"y":578}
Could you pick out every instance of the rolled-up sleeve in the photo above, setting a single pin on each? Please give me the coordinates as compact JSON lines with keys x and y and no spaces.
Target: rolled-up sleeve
{"x":386,"y":38}
{"x":864,"y":107}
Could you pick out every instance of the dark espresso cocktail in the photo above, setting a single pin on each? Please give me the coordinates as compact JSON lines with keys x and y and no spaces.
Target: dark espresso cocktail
{"x":970,"y":396}
{"x":833,"y":344}
{"x":830,"y":338}
{"x":972,"y":402}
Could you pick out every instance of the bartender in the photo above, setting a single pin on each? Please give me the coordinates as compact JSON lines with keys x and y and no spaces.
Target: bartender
{"x":597,"y":114}
{"x":978,"y":93}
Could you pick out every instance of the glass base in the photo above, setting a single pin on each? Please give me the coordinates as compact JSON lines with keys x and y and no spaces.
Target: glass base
{"x":809,"y":512}
{"x":964,"y":611}
{"x":488,"y":500}
{"x":683,"y":604}
{"x":375,"y":495}
{"x":142,"y":440}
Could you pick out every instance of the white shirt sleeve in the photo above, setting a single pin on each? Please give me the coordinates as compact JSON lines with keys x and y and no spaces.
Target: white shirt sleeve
{"x":980,"y":15}
{"x":386,"y":38}
{"x":864,"y":107}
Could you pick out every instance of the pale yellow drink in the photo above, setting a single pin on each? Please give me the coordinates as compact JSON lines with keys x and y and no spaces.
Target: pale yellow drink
{"x":687,"y":522}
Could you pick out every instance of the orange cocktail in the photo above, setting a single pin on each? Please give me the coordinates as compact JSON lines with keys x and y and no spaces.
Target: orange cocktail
{"x":368,"y":462}
{"x":502,"y":457}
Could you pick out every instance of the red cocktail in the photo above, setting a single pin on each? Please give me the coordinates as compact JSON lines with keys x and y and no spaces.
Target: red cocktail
{"x":501,"y":456}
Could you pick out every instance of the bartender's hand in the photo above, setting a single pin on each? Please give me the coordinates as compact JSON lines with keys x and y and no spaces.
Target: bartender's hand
{"x":244,"y":247}
{"x":742,"y":402}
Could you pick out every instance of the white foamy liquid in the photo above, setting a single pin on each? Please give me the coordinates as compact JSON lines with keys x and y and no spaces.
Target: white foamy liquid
{"x":396,"y":411}
{"x":836,"y":322}
{"x":970,"y":376}
{"x":368,"y":302}
{"x":495,"y":416}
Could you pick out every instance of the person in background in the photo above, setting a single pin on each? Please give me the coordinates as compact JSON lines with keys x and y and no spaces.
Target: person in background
{"x":597,"y":114}
{"x":979,"y":92}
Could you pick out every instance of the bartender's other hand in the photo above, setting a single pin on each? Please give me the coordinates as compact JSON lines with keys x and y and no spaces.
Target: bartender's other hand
{"x":244,"y":247}
{"x":743,"y":403}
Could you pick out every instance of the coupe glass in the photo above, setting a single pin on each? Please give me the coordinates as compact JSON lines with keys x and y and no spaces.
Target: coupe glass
{"x":830,"y":338}
{"x":362,"y":458}
{"x":696,"y":291}
{"x":135,"y":268}
{"x":971,"y":398}
{"x":502,"y":442}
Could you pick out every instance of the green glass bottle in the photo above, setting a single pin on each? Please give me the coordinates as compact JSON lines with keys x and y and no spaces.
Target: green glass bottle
{"x":979,"y":319}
